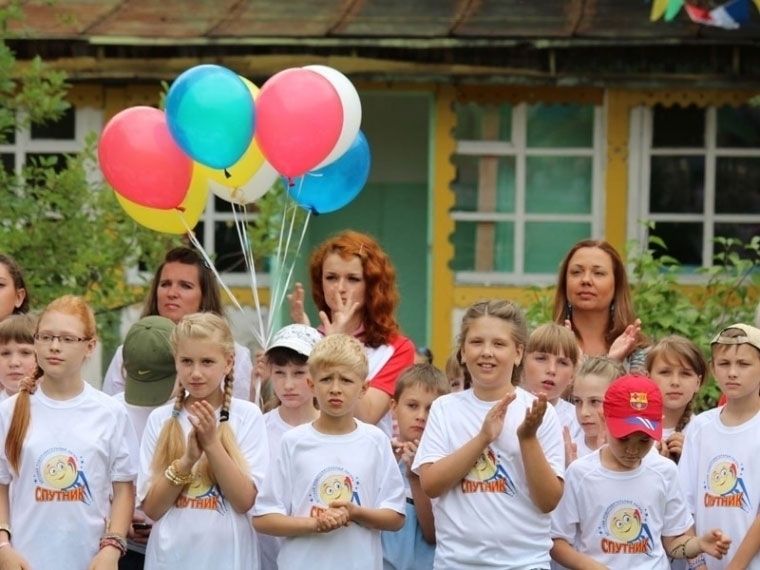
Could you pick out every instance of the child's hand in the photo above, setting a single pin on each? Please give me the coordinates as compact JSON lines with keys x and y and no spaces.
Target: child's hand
{"x":494,"y":420}
{"x":193,"y":449}
{"x":10,"y":559}
{"x":571,"y":450}
{"x":332,"y":518}
{"x":346,"y":506}
{"x":674,"y":445}
{"x":203,"y":417}
{"x":714,"y":543}
{"x":408,"y":453}
{"x":533,"y":418}
{"x":623,"y":345}
{"x":297,"y":313}
{"x":398,"y":449}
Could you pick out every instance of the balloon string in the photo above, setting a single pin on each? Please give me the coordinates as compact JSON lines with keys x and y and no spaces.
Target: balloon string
{"x":279,"y":256}
{"x":295,"y":258}
{"x":210,"y":264}
{"x":281,"y":288}
{"x":245,"y":243}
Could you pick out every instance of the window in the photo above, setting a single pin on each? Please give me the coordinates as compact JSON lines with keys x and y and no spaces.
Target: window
{"x":528,"y":184}
{"x":66,"y":136}
{"x":698,"y":171}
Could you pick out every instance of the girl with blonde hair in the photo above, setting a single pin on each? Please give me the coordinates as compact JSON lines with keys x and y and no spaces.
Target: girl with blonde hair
{"x":202,"y":458}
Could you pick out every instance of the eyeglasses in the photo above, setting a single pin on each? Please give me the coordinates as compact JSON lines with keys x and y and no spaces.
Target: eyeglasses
{"x":45,"y":338}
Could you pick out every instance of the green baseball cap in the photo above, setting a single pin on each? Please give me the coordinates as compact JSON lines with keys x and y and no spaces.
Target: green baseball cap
{"x":149,"y":362}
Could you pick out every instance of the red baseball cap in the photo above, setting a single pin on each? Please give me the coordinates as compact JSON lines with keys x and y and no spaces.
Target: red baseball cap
{"x":633,"y":403}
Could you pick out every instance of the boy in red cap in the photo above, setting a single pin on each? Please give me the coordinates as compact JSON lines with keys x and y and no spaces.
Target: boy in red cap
{"x":622,"y":507}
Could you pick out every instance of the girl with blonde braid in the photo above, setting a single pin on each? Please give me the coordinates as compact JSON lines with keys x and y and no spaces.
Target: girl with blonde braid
{"x":202,"y":458}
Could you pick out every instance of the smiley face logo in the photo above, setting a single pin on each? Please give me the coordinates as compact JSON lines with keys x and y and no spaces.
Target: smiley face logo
{"x":625,"y":524}
{"x":485,"y":466}
{"x":334,"y":484}
{"x":723,"y":477}
{"x":336,"y":487}
{"x":200,"y":487}
{"x":60,"y":471}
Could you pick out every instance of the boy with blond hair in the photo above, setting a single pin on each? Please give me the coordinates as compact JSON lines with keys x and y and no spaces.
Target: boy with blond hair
{"x":334,"y":484}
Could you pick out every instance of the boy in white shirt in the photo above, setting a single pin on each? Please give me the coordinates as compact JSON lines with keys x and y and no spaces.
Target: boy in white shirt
{"x":334,"y":484}
{"x":622,"y":507}
{"x":721,"y":457}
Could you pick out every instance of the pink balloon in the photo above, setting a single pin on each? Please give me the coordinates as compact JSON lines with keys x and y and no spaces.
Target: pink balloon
{"x":299,"y":117}
{"x":140,"y":159}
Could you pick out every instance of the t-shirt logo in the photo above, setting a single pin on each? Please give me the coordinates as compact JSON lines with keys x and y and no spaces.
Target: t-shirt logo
{"x":59,"y":477}
{"x":639,"y":400}
{"x":725,"y":486}
{"x":488,"y":475}
{"x":624,"y":529}
{"x":330,"y":485}
{"x":202,"y":494}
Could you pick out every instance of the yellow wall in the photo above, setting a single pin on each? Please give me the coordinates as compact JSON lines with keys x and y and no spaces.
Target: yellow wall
{"x":447,"y":296}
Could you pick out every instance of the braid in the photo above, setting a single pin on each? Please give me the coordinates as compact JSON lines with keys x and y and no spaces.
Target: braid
{"x":686,"y":416}
{"x":171,"y":441}
{"x":224,"y":414}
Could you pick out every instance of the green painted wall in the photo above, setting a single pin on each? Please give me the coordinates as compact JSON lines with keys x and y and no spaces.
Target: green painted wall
{"x":393,"y":207}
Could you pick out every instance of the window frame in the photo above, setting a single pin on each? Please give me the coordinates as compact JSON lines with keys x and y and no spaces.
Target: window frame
{"x":639,"y":172}
{"x":518,"y":149}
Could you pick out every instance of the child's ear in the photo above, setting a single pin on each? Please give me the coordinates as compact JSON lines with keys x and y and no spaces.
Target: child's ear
{"x":392,"y":405}
{"x":365,"y":387}
{"x":310,"y":383}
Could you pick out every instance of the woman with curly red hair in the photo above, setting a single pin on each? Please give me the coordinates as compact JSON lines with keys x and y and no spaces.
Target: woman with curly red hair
{"x":353,"y":285}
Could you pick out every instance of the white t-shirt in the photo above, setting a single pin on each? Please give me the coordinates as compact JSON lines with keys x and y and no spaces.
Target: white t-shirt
{"x":114,"y":381}
{"x":202,"y":530}
{"x":73,"y":452}
{"x":569,"y":419}
{"x":313,"y":469}
{"x":619,"y":518}
{"x":269,"y":546}
{"x":488,"y":520}
{"x":718,"y":471}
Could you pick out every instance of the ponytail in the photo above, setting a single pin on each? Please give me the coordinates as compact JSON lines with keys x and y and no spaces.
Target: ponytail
{"x":14,"y":440}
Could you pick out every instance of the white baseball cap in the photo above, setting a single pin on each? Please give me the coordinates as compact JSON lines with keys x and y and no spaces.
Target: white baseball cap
{"x":300,"y":338}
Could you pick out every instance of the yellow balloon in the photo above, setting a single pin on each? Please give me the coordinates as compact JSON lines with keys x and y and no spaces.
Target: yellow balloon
{"x":170,"y":221}
{"x":242,"y":171}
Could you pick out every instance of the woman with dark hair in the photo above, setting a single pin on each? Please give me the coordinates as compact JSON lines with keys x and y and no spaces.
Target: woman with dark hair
{"x":353,"y":285}
{"x":594,"y":300}
{"x":14,"y":296}
{"x":183,"y":284}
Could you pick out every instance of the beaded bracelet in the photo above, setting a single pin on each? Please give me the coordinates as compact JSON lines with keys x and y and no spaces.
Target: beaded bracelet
{"x":116,"y":541}
{"x":175,"y":478}
{"x":697,"y":562}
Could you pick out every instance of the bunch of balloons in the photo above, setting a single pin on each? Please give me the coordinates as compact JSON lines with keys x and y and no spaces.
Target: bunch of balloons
{"x":223,"y":134}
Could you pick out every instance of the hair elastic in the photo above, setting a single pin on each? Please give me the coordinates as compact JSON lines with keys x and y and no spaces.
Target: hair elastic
{"x":224,"y":416}
{"x":175,"y":414}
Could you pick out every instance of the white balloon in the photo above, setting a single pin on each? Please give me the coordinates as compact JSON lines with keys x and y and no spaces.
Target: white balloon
{"x":253,"y":189}
{"x":352,"y":110}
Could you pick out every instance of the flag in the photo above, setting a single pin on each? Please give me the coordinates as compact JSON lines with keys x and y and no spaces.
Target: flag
{"x":729,"y":16}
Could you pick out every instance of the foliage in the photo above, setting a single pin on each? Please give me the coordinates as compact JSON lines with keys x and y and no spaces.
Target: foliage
{"x":63,"y":226}
{"x":723,"y":295}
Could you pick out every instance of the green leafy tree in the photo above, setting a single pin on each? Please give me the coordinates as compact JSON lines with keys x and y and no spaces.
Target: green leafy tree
{"x":58,"y":219}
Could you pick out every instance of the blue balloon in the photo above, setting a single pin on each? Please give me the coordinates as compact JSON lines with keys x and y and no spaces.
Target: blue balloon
{"x":330,"y":188}
{"x":210,"y":113}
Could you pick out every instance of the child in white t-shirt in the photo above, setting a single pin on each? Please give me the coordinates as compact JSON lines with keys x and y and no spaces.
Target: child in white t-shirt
{"x":288,"y":371}
{"x":492,"y":456}
{"x":68,"y":465}
{"x":413,"y":547}
{"x":335,"y":483}
{"x":721,"y":455}
{"x":202,"y":458}
{"x":679,"y":368}
{"x":551,"y":355}
{"x":622,"y":506}
{"x":592,"y":379}
{"x":17,"y":358}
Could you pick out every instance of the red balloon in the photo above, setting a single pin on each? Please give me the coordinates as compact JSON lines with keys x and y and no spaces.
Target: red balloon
{"x":140,"y":159}
{"x":299,"y":118}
